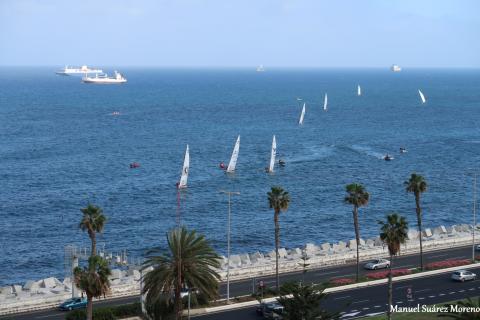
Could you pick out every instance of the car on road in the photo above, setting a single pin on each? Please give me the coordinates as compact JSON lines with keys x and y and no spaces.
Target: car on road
{"x":270,"y":310}
{"x":73,"y":303}
{"x":377,"y":264}
{"x":463,"y":275}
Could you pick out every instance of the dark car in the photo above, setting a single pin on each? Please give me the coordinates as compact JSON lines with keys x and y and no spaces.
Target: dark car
{"x":73,"y":303}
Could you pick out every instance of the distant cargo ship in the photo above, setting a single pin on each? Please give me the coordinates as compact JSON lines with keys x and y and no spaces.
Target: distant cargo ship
{"x":105,"y":79}
{"x":395,"y":68}
{"x":260,"y":68}
{"x":82,"y":70}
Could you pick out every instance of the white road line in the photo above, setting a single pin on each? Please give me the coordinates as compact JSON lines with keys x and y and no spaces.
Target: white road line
{"x":471,"y":289}
{"x":453,"y":292}
{"x":354,"y":310}
{"x":421,"y":298}
{"x":423,"y":290}
{"x":441,"y":294}
{"x":399,"y":302}
{"x":365,"y":308}
{"x":377,"y":306}
{"x":344,"y":297}
{"x":360,"y":301}
{"x":431,"y":296}
{"x":461,"y":290}
{"x":404,"y":266}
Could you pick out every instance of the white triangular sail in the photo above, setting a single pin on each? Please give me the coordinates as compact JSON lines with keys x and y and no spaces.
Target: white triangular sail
{"x":302,"y":115}
{"x":273,"y":154}
{"x":185,"y":169}
{"x":359,"y":91}
{"x":233,"y":160}
{"x":325,"y":102}
{"x":422,"y":96}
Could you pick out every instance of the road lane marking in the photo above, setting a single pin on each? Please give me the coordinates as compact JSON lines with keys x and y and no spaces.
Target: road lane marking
{"x":431,"y":296}
{"x":421,"y":298}
{"x":453,"y":292}
{"x":438,"y":256}
{"x":377,"y":306}
{"x":423,"y":290}
{"x":365,"y":308}
{"x":399,"y":302}
{"x":471,"y":289}
{"x":441,"y":294}
{"x":360,"y":301}
{"x":344,"y":297}
{"x":331,"y":272}
{"x":461,"y":290}
{"x":404,"y":266}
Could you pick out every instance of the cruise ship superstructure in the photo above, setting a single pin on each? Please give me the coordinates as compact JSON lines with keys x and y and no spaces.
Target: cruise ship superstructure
{"x":395,"y":68}
{"x":105,"y":79}
{"x":73,"y":70}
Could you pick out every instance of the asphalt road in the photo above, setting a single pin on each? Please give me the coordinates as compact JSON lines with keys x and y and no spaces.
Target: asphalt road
{"x":363,"y":301}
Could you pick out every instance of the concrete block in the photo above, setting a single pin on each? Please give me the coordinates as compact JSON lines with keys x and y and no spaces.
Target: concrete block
{"x":310,"y":248}
{"x":31,"y":285}
{"x":115,"y":282}
{"x":295,"y":252}
{"x":134,"y":273}
{"x":6,"y":290}
{"x":427,"y":232}
{"x":370,"y":243}
{"x":326,"y":246}
{"x":235,"y":260}
{"x":116,"y":274}
{"x":352,"y":244}
{"x":451,"y":230}
{"x":342,"y":244}
{"x":16,"y":288}
{"x":271,"y":254}
{"x":362,"y":242}
{"x":412,"y":234}
{"x":245,"y":259}
{"x":439,"y":230}
{"x":48,"y":282}
{"x":256,"y":257}
{"x":378,"y":242}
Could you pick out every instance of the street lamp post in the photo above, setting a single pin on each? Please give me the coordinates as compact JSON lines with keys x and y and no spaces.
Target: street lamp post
{"x":474,"y":214}
{"x":229,"y":193}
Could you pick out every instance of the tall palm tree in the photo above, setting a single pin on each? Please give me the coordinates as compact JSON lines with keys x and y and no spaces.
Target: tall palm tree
{"x":278,"y":200}
{"x":93,"y":222}
{"x":472,"y":303}
{"x":93,"y":279}
{"x":188,"y":263}
{"x":393,"y":233}
{"x":417,"y":185}
{"x":358,"y":197}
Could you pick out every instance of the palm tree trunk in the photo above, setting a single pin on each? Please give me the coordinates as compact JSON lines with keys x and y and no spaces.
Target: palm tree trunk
{"x":89,"y":307}
{"x":419,"y":221}
{"x":178,"y":302}
{"x":277,"y":243}
{"x":94,"y":244}
{"x":357,"y":238}
{"x":390,"y":289}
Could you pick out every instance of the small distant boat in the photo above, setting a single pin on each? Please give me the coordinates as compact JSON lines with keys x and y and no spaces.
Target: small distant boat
{"x":325,"y":102}
{"x":403,"y":150}
{"x":387,"y":157}
{"x":105,"y":79}
{"x":272,"y":155}
{"x":359,"y":91}
{"x":134,"y":165}
{"x":302,"y":114}
{"x":281,"y":163}
{"x":186,"y":167}
{"x":115,"y":113}
{"x":395,"y":68}
{"x":233,"y":160}
{"x":66,"y":71}
{"x":422,"y":97}
{"x":260,"y":68}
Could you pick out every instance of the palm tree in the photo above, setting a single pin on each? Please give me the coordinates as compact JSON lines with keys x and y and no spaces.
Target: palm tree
{"x":278,"y":200}
{"x":463,"y":315}
{"x":358,"y":197}
{"x":304,"y":303}
{"x":93,"y":222}
{"x":393,"y":233}
{"x":93,"y":279}
{"x":190,"y":262}
{"x":417,"y":185}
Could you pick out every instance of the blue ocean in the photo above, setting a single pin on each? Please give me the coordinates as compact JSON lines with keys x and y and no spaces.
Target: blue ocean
{"x":61,"y":148}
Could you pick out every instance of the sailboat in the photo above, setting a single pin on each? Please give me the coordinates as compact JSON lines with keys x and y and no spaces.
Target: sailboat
{"x":272,"y":155}
{"x":233,"y":160}
{"x":302,"y":115}
{"x":422,"y":96}
{"x":359,"y":91}
{"x":325,"y":102}
{"x":186,"y":166}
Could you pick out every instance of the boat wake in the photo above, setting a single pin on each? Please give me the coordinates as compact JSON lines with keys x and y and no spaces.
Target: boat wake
{"x":368,"y":151}
{"x":312,"y":153}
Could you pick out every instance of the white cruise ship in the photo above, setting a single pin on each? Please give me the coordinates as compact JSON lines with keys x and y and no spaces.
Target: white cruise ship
{"x":260,"y":68}
{"x":395,"y":68}
{"x":105,"y":79}
{"x":73,"y":70}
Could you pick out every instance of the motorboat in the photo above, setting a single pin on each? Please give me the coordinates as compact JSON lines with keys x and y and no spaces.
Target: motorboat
{"x":281,"y":163}
{"x":403,"y":150}
{"x":387,"y":157}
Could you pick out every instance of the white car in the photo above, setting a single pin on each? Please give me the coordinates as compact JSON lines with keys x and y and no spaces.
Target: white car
{"x":463,"y":275}
{"x":377,"y":264}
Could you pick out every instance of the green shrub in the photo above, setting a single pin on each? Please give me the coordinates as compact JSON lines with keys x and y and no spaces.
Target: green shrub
{"x":107,"y":313}
{"x":126,"y":310}
{"x":76,"y":315}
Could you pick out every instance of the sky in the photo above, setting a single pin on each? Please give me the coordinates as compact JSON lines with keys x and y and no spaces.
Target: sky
{"x":240,"y":33}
